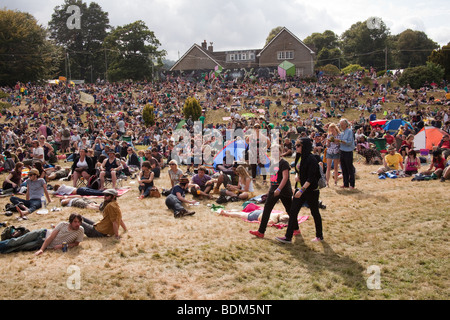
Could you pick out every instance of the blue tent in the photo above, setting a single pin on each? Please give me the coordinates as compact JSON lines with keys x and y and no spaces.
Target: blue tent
{"x":394,"y":124}
{"x":237,"y":150}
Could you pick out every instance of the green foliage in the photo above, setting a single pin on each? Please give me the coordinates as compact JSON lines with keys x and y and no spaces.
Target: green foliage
{"x":192,"y":109}
{"x":132,"y":50}
{"x":412,"y":49}
{"x":416,"y":77}
{"x":330,"y":69}
{"x":442,"y":58}
{"x":366,"y":46}
{"x":352,"y":68}
{"x":26,"y":54}
{"x":148,"y":115}
{"x":273,"y":33}
{"x":86,"y":57}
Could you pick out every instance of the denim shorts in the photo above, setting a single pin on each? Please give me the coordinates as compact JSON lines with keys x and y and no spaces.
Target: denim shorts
{"x":333,"y":156}
{"x":254,"y":215}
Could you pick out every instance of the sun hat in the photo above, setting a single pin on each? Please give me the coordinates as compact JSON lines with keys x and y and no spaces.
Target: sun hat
{"x":110,"y":191}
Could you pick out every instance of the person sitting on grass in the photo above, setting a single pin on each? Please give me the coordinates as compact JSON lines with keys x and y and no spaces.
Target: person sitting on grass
{"x":392,"y":161}
{"x":71,"y":232}
{"x":145,"y":180}
{"x":244,"y":189}
{"x":437,"y":165}
{"x":176,"y":198}
{"x":36,"y":189}
{"x":202,"y":184}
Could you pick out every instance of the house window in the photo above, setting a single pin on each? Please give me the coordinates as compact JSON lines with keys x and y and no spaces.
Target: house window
{"x":299,"y":72}
{"x":231,"y":57}
{"x":285,"y":55}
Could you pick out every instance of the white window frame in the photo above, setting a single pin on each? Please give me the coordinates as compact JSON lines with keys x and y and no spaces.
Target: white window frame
{"x":285,"y":55}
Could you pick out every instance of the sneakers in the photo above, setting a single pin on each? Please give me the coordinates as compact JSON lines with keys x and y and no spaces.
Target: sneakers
{"x":283,"y":240}
{"x":316,"y":239}
{"x":297,"y":233}
{"x":257,"y":233}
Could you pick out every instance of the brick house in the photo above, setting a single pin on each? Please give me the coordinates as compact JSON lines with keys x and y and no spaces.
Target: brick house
{"x":285,"y":46}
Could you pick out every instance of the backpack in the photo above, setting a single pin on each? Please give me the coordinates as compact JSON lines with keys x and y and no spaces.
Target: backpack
{"x":49,"y":132}
{"x":66,"y":133}
{"x":13,"y":232}
{"x":9,"y":165}
{"x":322,"y":180}
{"x":94,"y":182}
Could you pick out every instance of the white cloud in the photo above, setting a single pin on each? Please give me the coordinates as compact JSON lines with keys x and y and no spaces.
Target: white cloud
{"x":236,"y":24}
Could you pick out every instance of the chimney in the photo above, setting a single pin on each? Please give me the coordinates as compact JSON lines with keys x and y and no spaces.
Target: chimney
{"x":204,"y":44}
{"x":210,"y":48}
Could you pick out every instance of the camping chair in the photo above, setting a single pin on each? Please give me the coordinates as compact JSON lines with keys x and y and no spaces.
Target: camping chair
{"x":82,"y":182}
{"x":119,"y":182}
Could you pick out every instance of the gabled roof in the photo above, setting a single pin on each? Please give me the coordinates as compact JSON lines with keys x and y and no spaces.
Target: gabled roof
{"x":279,"y":33}
{"x":192,"y":48}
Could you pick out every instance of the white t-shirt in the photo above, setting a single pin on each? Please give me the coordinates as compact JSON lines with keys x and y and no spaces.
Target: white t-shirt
{"x":64,"y":190}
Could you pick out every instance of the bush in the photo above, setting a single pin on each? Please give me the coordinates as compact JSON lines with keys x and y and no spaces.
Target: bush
{"x":352,"y":68}
{"x":330,"y":69}
{"x":192,"y":109}
{"x":417,"y":77}
{"x":148,"y":115}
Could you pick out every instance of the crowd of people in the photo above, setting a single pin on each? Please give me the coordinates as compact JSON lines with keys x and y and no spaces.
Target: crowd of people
{"x":56,"y":135}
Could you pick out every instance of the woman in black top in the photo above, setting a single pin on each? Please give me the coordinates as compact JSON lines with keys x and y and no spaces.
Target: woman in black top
{"x":280,"y":189}
{"x":309,"y":174}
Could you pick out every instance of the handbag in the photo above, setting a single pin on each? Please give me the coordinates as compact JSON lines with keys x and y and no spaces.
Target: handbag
{"x":154,"y":192}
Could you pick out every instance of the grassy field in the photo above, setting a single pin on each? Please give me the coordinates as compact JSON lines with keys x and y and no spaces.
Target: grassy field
{"x":393,"y":233}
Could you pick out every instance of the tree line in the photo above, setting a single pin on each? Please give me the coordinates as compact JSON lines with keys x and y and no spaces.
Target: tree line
{"x":96,"y":50}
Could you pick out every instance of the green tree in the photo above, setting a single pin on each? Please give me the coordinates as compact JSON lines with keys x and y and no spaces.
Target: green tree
{"x":442,"y":57}
{"x":412,"y":48}
{"x":26,"y":54}
{"x":84,"y":46}
{"x":364,"y":46}
{"x":416,"y":77}
{"x":192,"y":108}
{"x":273,"y":33}
{"x":148,"y":115}
{"x":326,"y":47}
{"x":132,"y":51}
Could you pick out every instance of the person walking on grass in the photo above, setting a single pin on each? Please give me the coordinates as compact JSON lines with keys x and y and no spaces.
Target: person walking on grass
{"x":280,"y":189}
{"x":309,"y":175}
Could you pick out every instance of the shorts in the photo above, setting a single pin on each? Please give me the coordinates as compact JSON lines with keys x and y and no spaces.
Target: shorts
{"x":333,"y":156}
{"x":254,"y":215}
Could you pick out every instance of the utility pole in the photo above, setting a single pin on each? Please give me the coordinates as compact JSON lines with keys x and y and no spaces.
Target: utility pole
{"x":385,"y":59}
{"x":106,"y":67}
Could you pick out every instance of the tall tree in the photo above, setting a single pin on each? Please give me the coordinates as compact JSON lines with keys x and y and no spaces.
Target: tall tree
{"x":326,"y":47}
{"x":412,"y":48}
{"x":132,"y":52}
{"x":442,"y":58}
{"x":85,"y":55}
{"x":366,"y":47}
{"x":25,"y":54}
{"x":273,"y":33}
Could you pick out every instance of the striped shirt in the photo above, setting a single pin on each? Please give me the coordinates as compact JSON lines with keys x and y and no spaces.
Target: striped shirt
{"x":66,"y":234}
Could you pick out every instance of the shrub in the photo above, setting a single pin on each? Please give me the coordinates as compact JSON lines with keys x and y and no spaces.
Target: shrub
{"x":416,"y":77}
{"x":148,"y":115}
{"x":192,"y":109}
{"x":352,"y":68}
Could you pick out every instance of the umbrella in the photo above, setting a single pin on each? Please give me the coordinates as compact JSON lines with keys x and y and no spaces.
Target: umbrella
{"x":428,"y":137}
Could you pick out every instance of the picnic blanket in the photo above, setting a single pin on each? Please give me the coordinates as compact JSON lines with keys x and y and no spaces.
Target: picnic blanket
{"x":120,"y":192}
{"x":252,"y":207}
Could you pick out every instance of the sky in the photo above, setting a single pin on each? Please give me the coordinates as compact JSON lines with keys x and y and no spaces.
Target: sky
{"x":245,"y":24}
